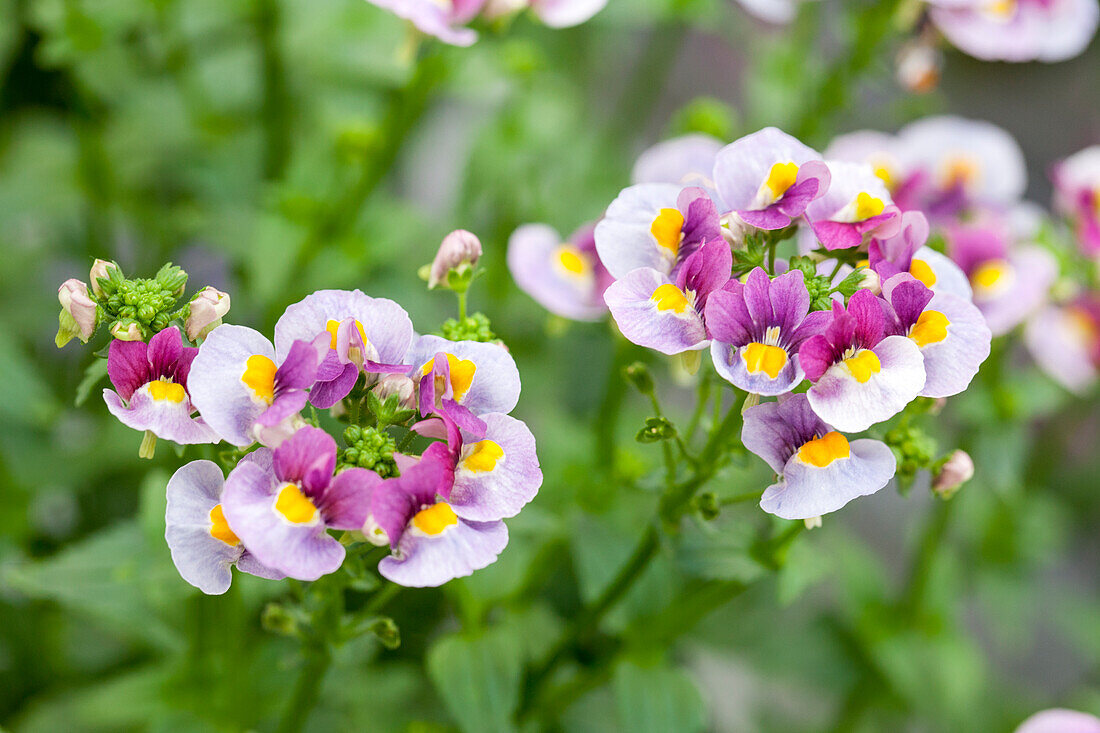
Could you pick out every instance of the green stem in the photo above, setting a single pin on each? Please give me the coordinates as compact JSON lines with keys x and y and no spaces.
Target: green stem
{"x":274,"y":107}
{"x":462,"y":295}
{"x":381,"y":598}
{"x":607,"y":418}
{"x":307,"y":690}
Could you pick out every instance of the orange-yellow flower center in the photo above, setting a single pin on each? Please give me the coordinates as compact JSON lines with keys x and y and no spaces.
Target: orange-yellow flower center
{"x":462,"y":375}
{"x":219,"y":528}
{"x":572,"y":260}
{"x":990,"y":275}
{"x":863,"y":364}
{"x":960,"y":171}
{"x":294,"y":505}
{"x":780,"y":178}
{"x":483,"y":457}
{"x":765,"y":358}
{"x":822,"y":451}
{"x":868,"y":206}
{"x":930,"y":328}
{"x":668,"y":297}
{"x":435,"y":518}
{"x":259,"y":376}
{"x":160,"y":391}
{"x":921,"y":271}
{"x":668,"y":229}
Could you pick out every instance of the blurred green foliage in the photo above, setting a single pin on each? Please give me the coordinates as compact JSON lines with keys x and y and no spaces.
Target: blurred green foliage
{"x":272,"y":148}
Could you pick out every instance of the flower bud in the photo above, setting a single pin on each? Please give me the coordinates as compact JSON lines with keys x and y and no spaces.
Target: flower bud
{"x":100,"y":271}
{"x":400,"y":385}
{"x":126,"y":330}
{"x":918,"y":67}
{"x":460,"y":247}
{"x":955,"y":471}
{"x":78,"y":312}
{"x":206,"y":311}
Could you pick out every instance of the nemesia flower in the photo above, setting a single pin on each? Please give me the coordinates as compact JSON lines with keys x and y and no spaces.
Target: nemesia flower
{"x":687,"y":160}
{"x":203,"y":546}
{"x":860,"y":375}
{"x":857,"y":205}
{"x":819,"y":469}
{"x":769,"y":178}
{"x":1060,"y":720}
{"x":1077,"y":195}
{"x":440,"y":18}
{"x":956,"y":471}
{"x":479,"y":377}
{"x":565,"y":13}
{"x":366,"y":334}
{"x":567,"y":278}
{"x":961,"y":163}
{"x":887,"y":158}
{"x":906,"y":252}
{"x":757,"y":329}
{"x":655,"y":225}
{"x":153,"y":388}
{"x":1008,"y":282}
{"x":949,"y":331}
{"x":243,"y":390}
{"x":1017,"y":30}
{"x":1065,"y":342}
{"x":658,"y":312}
{"x":431,"y":543}
{"x":281,"y":511}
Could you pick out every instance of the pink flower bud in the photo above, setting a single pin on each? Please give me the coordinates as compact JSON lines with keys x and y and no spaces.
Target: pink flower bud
{"x":207,"y":308}
{"x":128,"y":332}
{"x":956,"y":471}
{"x":400,"y":385}
{"x":99,"y":270}
{"x":73,"y":295}
{"x":458,"y":248}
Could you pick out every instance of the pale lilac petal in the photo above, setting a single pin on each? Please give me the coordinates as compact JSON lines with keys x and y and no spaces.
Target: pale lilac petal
{"x":851,"y":406}
{"x":951,"y":364}
{"x":534,"y":259}
{"x":385,"y":323}
{"x":495,"y":386}
{"x":201,"y":559}
{"x":741,"y":167}
{"x":1060,"y":720}
{"x":1062,"y":349}
{"x":1042,"y":31}
{"x":730,"y":365}
{"x":566,"y":13}
{"x":806,"y":491}
{"x":1033,"y":271}
{"x":775,"y":430}
{"x":623,"y":237}
{"x":224,"y":401}
{"x":501,"y":492}
{"x":684,"y":161}
{"x":429,"y":561}
{"x":164,"y":418}
{"x":642,"y":322}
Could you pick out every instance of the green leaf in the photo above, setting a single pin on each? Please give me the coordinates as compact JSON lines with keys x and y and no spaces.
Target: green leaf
{"x":721,"y":552}
{"x":657,"y":699}
{"x":478,"y":679}
{"x":93,"y":375}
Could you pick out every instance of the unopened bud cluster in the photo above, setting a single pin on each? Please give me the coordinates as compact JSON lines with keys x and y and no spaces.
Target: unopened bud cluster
{"x":369,"y":448}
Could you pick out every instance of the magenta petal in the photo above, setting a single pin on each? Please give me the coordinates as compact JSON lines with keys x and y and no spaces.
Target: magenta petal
{"x":770,"y":218}
{"x":728,"y":319}
{"x":165,"y":349}
{"x":347,"y":501}
{"x":283,"y":407}
{"x":299,"y":369}
{"x":308,"y":457}
{"x":127,"y":366}
{"x":326,"y":394}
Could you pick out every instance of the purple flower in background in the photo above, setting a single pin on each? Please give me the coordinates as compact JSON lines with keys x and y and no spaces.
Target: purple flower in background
{"x":1077,"y":195}
{"x":857,"y":205}
{"x":1017,"y":30}
{"x":431,"y":543}
{"x":479,"y":377}
{"x":949,"y":331}
{"x":961,"y":163}
{"x":565,"y":13}
{"x":1060,"y":720}
{"x":203,"y":545}
{"x":884,"y":153}
{"x":244,"y":392}
{"x":906,"y":252}
{"x":819,"y":469}
{"x":152,"y":383}
{"x":757,"y":329}
{"x":860,"y":374}
{"x":566,"y":278}
{"x":666,"y":314}
{"x":366,"y":334}
{"x":281,"y":511}
{"x":440,"y":18}
{"x":655,"y":225}
{"x":1008,"y":282}
{"x":685,"y":161}
{"x":1065,"y":342}
{"x":769,"y":178}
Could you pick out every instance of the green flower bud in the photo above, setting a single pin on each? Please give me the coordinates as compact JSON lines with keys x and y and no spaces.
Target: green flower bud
{"x":369,"y":448}
{"x":472,"y":328}
{"x":638,"y":374}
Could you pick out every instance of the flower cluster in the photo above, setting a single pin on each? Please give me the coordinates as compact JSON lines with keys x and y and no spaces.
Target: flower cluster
{"x":433,"y":462}
{"x":861,"y":321}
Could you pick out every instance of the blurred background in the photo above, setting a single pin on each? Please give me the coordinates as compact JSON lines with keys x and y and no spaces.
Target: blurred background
{"x":272,"y":148}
